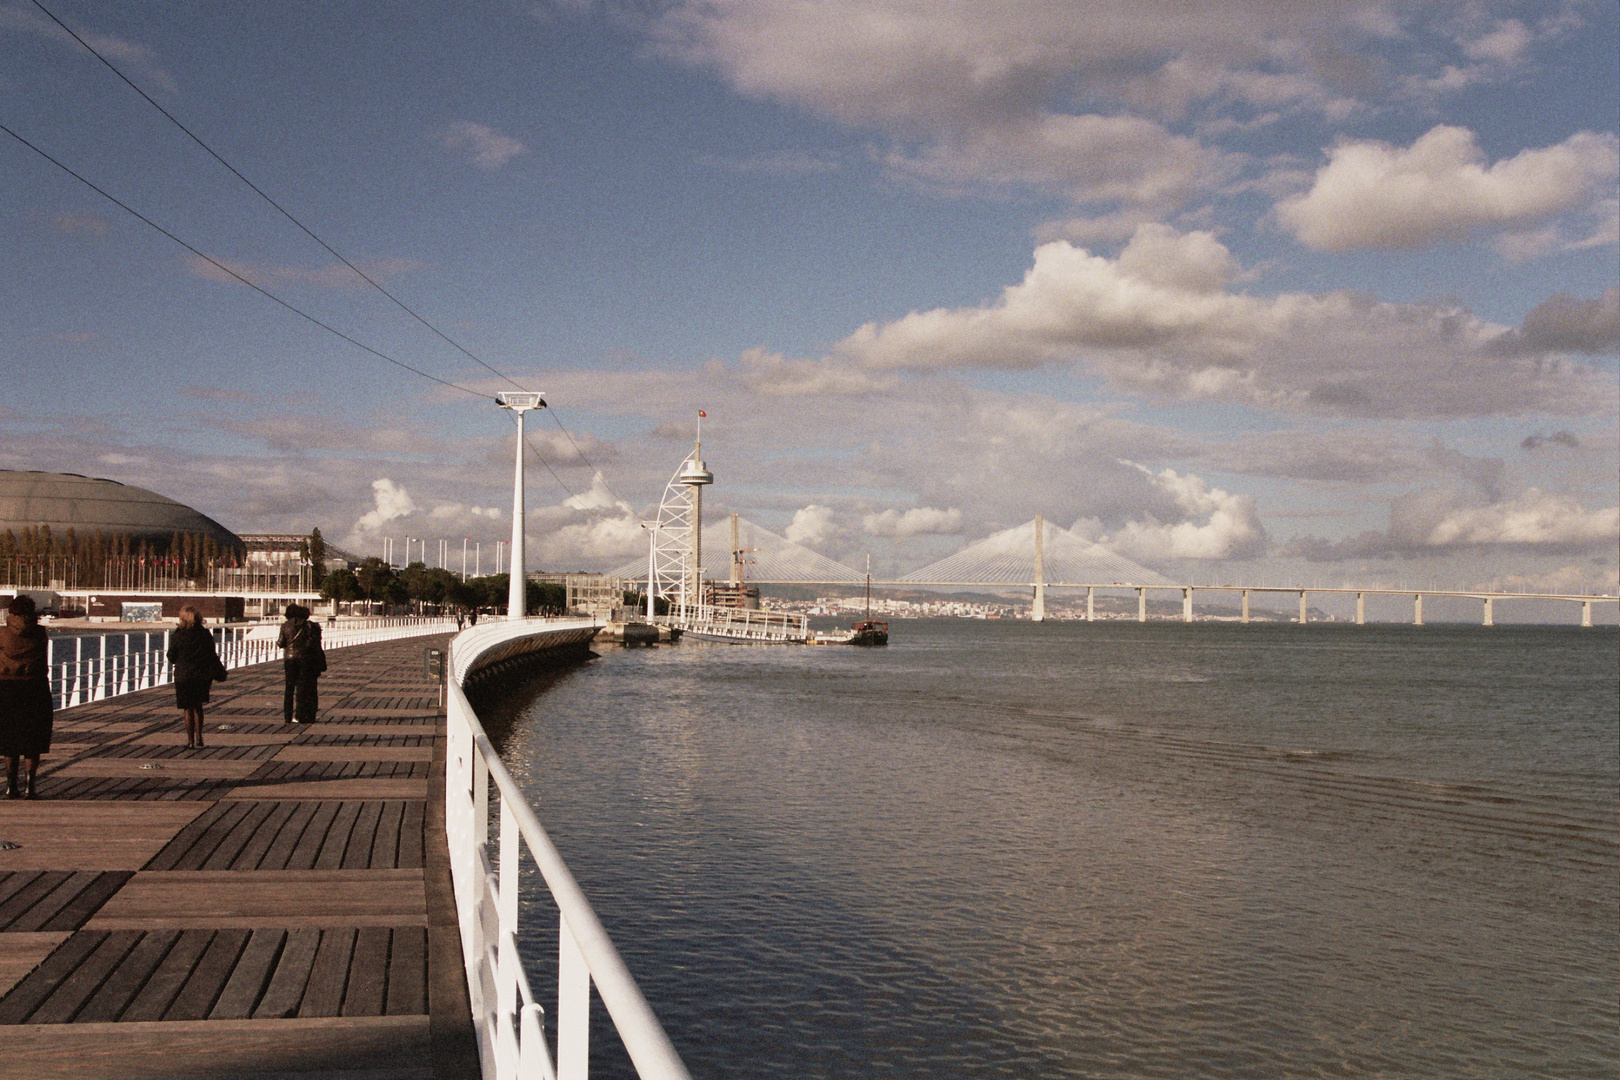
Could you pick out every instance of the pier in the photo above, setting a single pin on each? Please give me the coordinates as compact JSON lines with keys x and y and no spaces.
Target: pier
{"x":276,"y":903}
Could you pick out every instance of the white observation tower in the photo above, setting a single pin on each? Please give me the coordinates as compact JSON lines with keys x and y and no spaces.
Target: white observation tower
{"x":518,"y":402}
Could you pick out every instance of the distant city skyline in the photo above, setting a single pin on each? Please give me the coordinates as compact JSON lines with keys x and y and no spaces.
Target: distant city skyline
{"x":1275,"y":292}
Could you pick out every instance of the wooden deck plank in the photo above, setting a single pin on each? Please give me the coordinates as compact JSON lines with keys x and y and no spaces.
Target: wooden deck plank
{"x":19,"y":1004}
{"x":309,"y":844}
{"x":357,"y":854}
{"x":89,"y":900}
{"x":114,"y":995}
{"x":385,"y":845}
{"x":253,"y":898}
{"x":329,"y":974}
{"x":72,"y":993}
{"x":153,"y":999}
{"x":367,"y":991}
{"x":253,"y":852}
{"x":291,"y":975}
{"x":20,"y":902}
{"x":278,"y":854}
{"x":411,"y":835}
{"x":21,"y":953}
{"x":251,"y":976}
{"x":142,"y":767}
{"x":202,"y":988}
{"x":386,"y":1047}
{"x":331,"y":752}
{"x":357,"y":788}
{"x":407,"y":971}
{"x":231,"y":844}
{"x":337,"y":838}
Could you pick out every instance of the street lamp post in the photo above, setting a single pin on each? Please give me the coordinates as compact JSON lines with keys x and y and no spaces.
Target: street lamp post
{"x":518,"y":402}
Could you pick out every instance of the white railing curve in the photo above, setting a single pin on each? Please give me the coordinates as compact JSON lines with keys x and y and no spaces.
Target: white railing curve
{"x":508,"y":1019}
{"x":90,"y":667}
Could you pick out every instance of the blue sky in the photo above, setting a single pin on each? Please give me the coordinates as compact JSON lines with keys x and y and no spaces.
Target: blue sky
{"x":1270,"y":291}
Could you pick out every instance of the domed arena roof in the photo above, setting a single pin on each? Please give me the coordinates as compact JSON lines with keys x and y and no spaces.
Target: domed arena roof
{"x":84,"y":504}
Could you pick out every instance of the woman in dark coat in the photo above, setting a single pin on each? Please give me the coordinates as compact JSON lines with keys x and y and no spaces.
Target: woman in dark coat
{"x":25,"y":694}
{"x":196,"y":666}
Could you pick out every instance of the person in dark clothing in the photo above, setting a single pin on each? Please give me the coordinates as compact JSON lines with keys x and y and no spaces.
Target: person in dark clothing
{"x":25,"y":694}
{"x":302,"y":665}
{"x":196,"y":667}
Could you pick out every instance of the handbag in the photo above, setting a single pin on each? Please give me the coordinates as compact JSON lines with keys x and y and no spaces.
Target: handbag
{"x":319,"y":660}
{"x":219,"y":669}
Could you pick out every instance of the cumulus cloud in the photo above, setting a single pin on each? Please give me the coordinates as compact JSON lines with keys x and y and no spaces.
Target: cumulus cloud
{"x":484,"y":146}
{"x":775,"y":375}
{"x":1217,"y":525}
{"x":913,"y":522}
{"x":590,"y":530}
{"x":1165,"y":318}
{"x":391,"y":501}
{"x":1564,"y":324}
{"x":453,"y":513}
{"x":1374,"y":195}
{"x":812,"y":525}
{"x":1448,"y":519}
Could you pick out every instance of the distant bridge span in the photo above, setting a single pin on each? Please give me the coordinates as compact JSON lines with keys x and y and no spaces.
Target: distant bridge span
{"x":1039,"y":555}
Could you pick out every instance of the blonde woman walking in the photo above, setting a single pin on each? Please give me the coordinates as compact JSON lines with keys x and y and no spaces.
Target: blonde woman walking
{"x":196,"y":667}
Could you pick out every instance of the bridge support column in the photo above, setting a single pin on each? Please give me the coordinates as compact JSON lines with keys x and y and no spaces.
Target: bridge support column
{"x":1245,"y":607}
{"x":1091,"y":603}
{"x":1186,"y":604}
{"x":1361,"y":609}
{"x":1490,"y":615}
{"x":1038,"y":611}
{"x":1586,"y":613}
{"x":1417,"y":609}
{"x":1141,"y":605}
{"x":1304,"y":612}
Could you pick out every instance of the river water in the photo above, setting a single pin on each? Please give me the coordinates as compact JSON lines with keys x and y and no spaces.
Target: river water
{"x":1105,"y":850}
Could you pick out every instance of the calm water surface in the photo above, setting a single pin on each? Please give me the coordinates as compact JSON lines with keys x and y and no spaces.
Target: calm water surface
{"x":1115,"y":850}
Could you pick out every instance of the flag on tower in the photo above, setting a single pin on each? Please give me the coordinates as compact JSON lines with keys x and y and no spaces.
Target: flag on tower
{"x":702,"y":413}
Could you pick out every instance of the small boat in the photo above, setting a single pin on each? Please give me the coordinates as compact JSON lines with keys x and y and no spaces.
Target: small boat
{"x":868,"y":631}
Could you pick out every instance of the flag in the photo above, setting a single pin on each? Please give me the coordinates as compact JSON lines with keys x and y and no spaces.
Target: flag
{"x":702,"y":413}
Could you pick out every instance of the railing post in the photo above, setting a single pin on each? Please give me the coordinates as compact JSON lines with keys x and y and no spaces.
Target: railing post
{"x":573,"y":1007}
{"x":508,"y":971}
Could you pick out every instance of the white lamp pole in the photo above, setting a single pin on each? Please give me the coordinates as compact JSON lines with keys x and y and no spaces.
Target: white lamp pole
{"x":518,"y":402}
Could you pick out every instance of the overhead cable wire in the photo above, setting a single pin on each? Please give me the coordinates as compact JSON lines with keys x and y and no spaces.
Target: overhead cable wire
{"x":324,"y":245}
{"x":227,"y":270}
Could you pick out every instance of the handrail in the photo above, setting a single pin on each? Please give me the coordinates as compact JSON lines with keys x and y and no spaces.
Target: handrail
{"x":99,"y":673}
{"x":507,"y":1018}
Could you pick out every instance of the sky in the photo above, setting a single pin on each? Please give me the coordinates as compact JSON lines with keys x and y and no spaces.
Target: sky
{"x":1247,"y":291}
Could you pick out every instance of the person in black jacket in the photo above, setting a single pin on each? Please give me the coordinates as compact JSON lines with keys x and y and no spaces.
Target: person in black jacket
{"x":196,"y":666}
{"x":302,"y":665}
{"x":25,"y":694}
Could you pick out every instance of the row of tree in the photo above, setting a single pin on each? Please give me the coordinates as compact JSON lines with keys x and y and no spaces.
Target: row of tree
{"x":91,"y":561}
{"x":422,"y":586}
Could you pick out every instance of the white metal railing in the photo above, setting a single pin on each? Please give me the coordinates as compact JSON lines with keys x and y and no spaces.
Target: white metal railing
{"x":739,"y":624}
{"x":91,"y":667}
{"x":508,"y":1019}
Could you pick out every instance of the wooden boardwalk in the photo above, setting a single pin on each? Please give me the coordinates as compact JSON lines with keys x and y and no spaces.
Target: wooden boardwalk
{"x":276,"y":904}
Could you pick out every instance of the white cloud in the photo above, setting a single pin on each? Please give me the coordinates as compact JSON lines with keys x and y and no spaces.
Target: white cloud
{"x":1218,"y":525}
{"x":1164,"y":319}
{"x":485,"y":147}
{"x":913,"y":522}
{"x":1533,"y":518}
{"x":813,"y":525}
{"x":391,"y":500}
{"x":458,"y":512}
{"x":1374,"y":195}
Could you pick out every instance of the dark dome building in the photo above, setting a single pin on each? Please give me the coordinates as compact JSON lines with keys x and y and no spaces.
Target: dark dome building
{"x":85,"y":504}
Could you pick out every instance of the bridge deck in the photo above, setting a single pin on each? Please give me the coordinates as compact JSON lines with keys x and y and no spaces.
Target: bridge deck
{"x":275,"y":904}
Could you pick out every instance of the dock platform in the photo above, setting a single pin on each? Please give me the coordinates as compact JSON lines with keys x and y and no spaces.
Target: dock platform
{"x":275,"y":904}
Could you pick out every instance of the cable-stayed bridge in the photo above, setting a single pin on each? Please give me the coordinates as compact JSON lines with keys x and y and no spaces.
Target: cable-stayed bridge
{"x":1039,"y":555}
